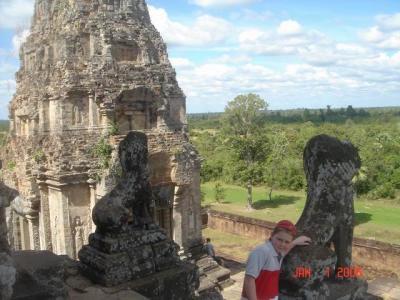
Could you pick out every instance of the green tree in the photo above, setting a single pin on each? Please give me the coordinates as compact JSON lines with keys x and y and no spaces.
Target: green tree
{"x":242,"y":124}
{"x":306,"y":115}
{"x":219,"y":192}
{"x":279,"y":144}
{"x":350,"y":112}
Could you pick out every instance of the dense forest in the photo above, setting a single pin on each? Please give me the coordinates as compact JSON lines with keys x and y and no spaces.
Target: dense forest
{"x":282,"y":136}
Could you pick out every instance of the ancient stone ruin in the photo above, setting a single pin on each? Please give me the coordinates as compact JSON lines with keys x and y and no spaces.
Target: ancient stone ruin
{"x":316,"y":271}
{"x":127,"y":245}
{"x":91,"y":72}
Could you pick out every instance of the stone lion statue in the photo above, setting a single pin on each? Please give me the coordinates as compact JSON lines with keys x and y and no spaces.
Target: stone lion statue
{"x":129,"y":202}
{"x":328,"y":215}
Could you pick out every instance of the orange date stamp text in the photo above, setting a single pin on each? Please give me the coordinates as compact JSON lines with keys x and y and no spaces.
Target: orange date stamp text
{"x":340,"y":272}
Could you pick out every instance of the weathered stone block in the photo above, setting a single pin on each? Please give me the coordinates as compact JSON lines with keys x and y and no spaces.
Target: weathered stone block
{"x":7,"y":276}
{"x":175,"y":283}
{"x":102,"y":260}
{"x":40,"y":275}
{"x":128,"y":263}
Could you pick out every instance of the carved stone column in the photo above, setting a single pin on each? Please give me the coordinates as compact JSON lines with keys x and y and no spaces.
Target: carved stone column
{"x":12,"y":126}
{"x":61,"y":234}
{"x":93,"y":200}
{"x":106,"y":117}
{"x":23,"y":231}
{"x":15,"y":235}
{"x":34,"y":235}
{"x":196,"y":206}
{"x":44,"y":218}
{"x":93,"y":118}
{"x":177,"y":215}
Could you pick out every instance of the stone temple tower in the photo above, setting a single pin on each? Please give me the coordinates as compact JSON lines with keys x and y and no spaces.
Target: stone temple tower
{"x":91,"y":71}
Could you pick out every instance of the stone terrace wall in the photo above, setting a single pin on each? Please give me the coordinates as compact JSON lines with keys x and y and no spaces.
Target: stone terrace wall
{"x":379,"y":255}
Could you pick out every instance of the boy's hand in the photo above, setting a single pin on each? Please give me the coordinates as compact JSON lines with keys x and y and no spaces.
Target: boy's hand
{"x":301,"y":241}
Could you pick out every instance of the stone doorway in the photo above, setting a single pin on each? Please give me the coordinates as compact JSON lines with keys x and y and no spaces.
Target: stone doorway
{"x":163,"y":218}
{"x":163,"y":207}
{"x":134,"y":110}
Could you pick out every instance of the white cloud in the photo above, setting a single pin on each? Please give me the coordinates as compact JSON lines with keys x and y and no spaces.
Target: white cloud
{"x":318,"y":56}
{"x":396,"y":58}
{"x":333,"y":53}
{"x":389,"y":22}
{"x":373,"y":35}
{"x":7,"y":89}
{"x":215,"y":71}
{"x":18,"y":39}
{"x":206,"y":30}
{"x":232,"y":59}
{"x":384,"y":40}
{"x":259,"y":71}
{"x":16,"y":14}
{"x":251,"y":15}
{"x":288,"y":39}
{"x":384,"y":35}
{"x":252,"y":35}
{"x":7,"y":86}
{"x":349,"y":70}
{"x":180,"y":62}
{"x":391,"y":42}
{"x":351,"y":49}
{"x":6,"y":69}
{"x":214,"y":3}
{"x":289,"y":27}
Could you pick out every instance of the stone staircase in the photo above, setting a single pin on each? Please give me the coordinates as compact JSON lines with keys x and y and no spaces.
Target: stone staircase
{"x":212,"y":275}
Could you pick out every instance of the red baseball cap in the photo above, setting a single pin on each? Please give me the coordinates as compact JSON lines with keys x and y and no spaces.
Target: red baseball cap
{"x":286,"y":224}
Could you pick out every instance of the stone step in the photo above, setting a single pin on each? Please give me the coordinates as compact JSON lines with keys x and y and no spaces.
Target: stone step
{"x":205,"y":285}
{"x":206,"y":264}
{"x":208,"y":284}
{"x":26,"y":288}
{"x":40,"y":274}
{"x":219,"y":274}
{"x":226,"y":283}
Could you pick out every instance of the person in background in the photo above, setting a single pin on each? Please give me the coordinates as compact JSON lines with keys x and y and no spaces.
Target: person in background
{"x":261,"y":281}
{"x":209,"y":249}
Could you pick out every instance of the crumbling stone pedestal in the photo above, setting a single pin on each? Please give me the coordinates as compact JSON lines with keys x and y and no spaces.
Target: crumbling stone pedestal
{"x":113,"y":259}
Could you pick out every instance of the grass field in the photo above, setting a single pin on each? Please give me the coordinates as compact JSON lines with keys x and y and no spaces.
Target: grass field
{"x":375,"y":219}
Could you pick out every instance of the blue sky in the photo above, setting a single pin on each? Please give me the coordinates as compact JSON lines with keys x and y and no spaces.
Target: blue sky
{"x":294,"y":53}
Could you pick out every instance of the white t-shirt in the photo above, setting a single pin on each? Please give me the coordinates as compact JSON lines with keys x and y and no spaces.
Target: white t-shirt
{"x":264,"y":265}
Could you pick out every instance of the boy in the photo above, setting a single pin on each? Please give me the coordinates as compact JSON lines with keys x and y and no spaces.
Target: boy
{"x":261,"y":281}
